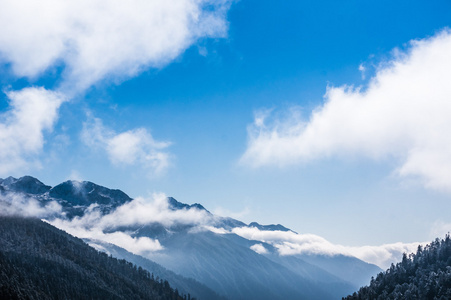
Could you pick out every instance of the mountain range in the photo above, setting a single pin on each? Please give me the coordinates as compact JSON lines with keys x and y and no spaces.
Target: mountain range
{"x":196,"y":251}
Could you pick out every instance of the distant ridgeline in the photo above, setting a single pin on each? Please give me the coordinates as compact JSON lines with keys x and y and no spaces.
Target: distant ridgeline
{"x":424,"y":275}
{"x":39,"y":261}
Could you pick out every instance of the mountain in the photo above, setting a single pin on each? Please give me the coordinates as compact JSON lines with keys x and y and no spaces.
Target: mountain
{"x":74,"y":196}
{"x":199,"y":245}
{"x":268,"y":227}
{"x":348,"y":268}
{"x":424,"y":275}
{"x":175,"y":205}
{"x":184,"y":285}
{"x":228,"y":265}
{"x":39,"y":261}
{"x":26,"y":184}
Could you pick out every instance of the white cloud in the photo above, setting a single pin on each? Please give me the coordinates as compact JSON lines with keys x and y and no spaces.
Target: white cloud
{"x":12,"y":204}
{"x":362,"y":70}
{"x":291,"y":243}
{"x":138,"y":212}
{"x":133,"y":147}
{"x":136,"y":245}
{"x":94,"y":39}
{"x":32,"y":112}
{"x":403,"y":113}
{"x":142,"y":211}
{"x":259,"y":248}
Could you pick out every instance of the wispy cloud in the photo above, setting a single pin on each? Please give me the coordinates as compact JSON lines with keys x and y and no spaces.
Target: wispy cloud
{"x":134,"y":147}
{"x":403,"y":113}
{"x":137,"y":245}
{"x":12,"y":204}
{"x":32,"y":112}
{"x":291,"y":243}
{"x":136,"y":213}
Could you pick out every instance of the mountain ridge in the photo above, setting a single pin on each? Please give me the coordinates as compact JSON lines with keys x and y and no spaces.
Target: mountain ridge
{"x":223,"y":261}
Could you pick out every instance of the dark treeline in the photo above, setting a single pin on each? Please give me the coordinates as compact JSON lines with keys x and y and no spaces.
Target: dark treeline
{"x":424,"y":275}
{"x":39,"y":261}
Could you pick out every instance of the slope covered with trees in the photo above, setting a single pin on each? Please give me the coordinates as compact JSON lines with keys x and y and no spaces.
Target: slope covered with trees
{"x":424,"y":275}
{"x":39,"y":261}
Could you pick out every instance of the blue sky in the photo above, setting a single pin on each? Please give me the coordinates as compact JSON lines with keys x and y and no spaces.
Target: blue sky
{"x":218,"y":107}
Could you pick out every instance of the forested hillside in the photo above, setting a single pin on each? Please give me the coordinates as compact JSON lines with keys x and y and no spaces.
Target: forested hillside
{"x":424,"y":275}
{"x":39,"y":261}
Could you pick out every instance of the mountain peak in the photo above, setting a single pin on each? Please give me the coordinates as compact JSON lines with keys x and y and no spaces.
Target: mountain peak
{"x":26,"y":184}
{"x":86,"y":193}
{"x":175,"y":205}
{"x":270,"y":227}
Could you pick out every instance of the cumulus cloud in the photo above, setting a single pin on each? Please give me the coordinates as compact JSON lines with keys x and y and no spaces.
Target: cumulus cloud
{"x":133,"y":147}
{"x":403,"y":113}
{"x":95,"y":39}
{"x":32,"y":112}
{"x":291,"y":243}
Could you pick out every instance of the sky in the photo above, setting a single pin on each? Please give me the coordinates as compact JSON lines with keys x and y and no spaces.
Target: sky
{"x":329,"y":117}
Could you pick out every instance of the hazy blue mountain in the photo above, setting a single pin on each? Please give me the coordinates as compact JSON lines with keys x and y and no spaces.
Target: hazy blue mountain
{"x":227,"y":264}
{"x":345,"y":267}
{"x":224,"y":263}
{"x":183,"y":284}
{"x":269,"y":227}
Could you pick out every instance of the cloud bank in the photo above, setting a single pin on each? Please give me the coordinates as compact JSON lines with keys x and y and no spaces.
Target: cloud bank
{"x":32,"y":112}
{"x":134,"y":147}
{"x":403,"y":113}
{"x":136,"y":213}
{"x":291,"y":243}
{"x":12,"y":204}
